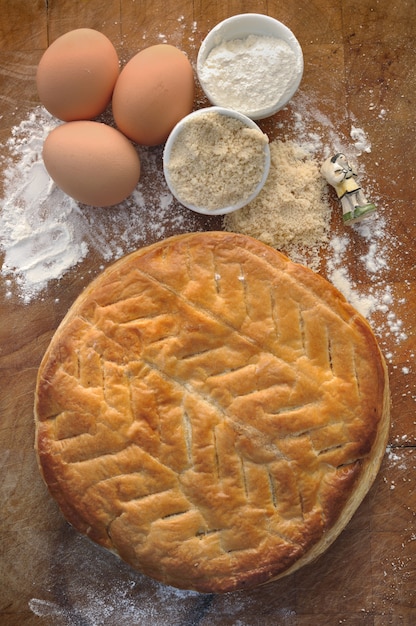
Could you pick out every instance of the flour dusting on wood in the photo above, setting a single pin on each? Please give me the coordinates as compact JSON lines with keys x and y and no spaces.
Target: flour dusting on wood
{"x":44,"y":233}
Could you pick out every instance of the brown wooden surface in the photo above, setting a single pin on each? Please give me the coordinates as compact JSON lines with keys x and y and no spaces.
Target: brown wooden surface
{"x":359,"y":59}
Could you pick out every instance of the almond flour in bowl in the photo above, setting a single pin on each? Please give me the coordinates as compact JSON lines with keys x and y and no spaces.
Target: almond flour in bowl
{"x":216,"y":161}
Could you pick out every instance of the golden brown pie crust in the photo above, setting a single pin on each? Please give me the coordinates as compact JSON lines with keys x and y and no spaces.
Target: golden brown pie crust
{"x":211,"y":412}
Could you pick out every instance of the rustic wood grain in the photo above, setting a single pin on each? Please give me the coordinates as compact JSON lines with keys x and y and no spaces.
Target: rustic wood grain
{"x":359,"y":60}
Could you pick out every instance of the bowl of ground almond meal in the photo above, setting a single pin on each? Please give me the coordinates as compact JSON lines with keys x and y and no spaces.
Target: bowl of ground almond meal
{"x":251,"y":63}
{"x":216,"y":160}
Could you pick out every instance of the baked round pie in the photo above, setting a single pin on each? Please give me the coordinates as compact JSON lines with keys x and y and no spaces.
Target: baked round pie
{"x":211,"y":412}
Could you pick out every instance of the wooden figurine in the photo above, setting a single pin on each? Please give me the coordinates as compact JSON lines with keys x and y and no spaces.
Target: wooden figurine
{"x":342,"y":176}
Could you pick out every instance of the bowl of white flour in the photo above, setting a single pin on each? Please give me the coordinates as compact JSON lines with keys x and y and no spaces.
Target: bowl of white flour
{"x":251,"y":63}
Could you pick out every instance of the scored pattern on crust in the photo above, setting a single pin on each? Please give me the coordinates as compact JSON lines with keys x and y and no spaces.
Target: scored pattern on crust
{"x":205,"y":409}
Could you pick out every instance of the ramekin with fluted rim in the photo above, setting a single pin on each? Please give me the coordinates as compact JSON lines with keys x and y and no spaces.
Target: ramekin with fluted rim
{"x":240,"y":27}
{"x":175,"y":136}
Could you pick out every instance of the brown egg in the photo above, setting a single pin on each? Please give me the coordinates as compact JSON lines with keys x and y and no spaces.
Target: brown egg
{"x":76,"y":75}
{"x":92,"y":162}
{"x":153,"y":92}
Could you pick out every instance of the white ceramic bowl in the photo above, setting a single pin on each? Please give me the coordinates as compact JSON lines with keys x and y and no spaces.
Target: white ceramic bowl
{"x":175,"y":136}
{"x":239,"y":27}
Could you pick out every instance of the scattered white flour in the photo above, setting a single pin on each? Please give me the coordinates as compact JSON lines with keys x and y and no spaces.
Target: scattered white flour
{"x":250,"y":73}
{"x":360,"y":139}
{"x":38,"y":223}
{"x":124,"y":606}
{"x":88,"y":598}
{"x":100,"y":590}
{"x":378,"y":297}
{"x":374,"y":299}
{"x":317,"y":132}
{"x":44,"y":233}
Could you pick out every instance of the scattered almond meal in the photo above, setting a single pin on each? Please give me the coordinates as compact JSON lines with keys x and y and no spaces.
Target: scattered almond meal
{"x":291,"y":212}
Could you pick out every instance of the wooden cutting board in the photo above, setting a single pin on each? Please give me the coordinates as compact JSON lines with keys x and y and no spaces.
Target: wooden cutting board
{"x":359,"y":74}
